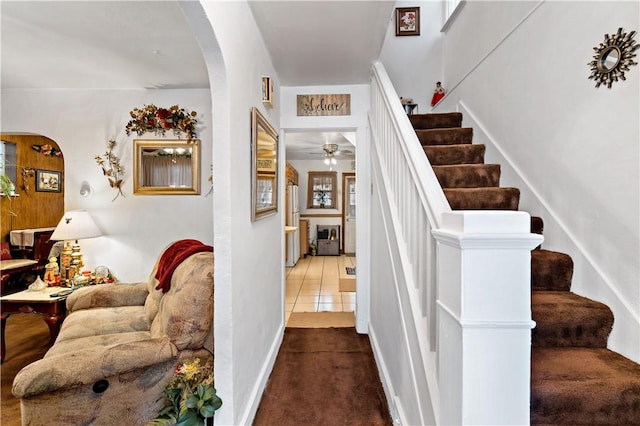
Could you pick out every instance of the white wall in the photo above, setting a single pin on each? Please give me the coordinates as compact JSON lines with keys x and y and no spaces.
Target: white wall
{"x":414,"y":63}
{"x":249,"y":305}
{"x":136,"y":228}
{"x":571,"y":148}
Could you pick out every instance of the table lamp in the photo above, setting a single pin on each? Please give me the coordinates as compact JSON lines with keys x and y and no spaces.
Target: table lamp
{"x":74,"y":225}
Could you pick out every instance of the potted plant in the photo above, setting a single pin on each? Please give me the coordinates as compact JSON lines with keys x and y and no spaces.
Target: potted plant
{"x":322,"y":198}
{"x":190,"y":398}
{"x":7,"y":187}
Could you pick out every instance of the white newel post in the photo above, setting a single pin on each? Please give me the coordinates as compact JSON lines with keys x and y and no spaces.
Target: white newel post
{"x":484,"y":314}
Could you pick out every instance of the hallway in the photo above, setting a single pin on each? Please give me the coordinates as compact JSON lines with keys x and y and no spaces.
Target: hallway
{"x":313,"y":286}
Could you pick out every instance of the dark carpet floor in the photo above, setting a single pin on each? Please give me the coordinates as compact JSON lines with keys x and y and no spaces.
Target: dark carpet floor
{"x":324,"y":376}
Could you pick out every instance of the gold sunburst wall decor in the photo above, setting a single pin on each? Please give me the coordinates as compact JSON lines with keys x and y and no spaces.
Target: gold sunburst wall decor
{"x":613,"y":57}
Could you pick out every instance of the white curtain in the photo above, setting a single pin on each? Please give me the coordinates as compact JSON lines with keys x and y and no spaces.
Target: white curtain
{"x":167,"y":170}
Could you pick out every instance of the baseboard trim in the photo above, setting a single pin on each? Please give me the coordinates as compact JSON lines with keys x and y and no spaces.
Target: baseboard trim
{"x":394,"y":403}
{"x":258,"y":389}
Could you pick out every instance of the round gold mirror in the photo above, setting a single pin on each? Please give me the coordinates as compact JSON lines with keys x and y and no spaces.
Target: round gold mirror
{"x":609,"y":59}
{"x":613,"y":57}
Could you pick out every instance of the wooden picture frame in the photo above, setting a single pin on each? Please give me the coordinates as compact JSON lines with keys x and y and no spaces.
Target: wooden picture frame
{"x":48,"y":181}
{"x":407,"y":21}
{"x":264,"y":167}
{"x":166,"y":167}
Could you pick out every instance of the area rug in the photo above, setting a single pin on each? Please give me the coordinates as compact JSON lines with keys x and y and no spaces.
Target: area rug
{"x":27,"y":340}
{"x":347,"y":284}
{"x":321,"y":319}
{"x":324,"y":377}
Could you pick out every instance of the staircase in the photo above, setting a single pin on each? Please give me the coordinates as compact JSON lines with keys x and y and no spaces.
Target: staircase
{"x":575,"y":379}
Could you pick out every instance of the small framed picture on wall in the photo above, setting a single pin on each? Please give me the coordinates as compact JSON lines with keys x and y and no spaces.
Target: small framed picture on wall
{"x":407,"y":21}
{"x":48,"y":181}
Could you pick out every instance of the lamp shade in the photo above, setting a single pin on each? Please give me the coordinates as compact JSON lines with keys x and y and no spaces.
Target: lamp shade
{"x":76,"y":225}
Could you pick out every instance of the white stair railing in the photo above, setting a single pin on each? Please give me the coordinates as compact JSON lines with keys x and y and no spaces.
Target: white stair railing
{"x":466,"y":317}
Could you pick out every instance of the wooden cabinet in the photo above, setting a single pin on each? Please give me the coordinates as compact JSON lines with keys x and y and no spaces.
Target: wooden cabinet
{"x":328,"y":240}
{"x":291,"y":174}
{"x":304,"y":237}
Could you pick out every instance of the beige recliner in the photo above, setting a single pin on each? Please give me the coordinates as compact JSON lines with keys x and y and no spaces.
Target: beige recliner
{"x":118,"y":347}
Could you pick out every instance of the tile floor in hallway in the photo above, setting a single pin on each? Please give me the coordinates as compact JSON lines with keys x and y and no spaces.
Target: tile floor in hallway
{"x":312,"y":285}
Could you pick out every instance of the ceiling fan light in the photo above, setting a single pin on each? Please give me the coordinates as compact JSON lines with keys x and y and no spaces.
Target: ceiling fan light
{"x":327,"y":161}
{"x":333,"y":161}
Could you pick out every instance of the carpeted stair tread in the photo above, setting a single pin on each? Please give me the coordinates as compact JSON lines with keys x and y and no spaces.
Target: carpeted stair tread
{"x":551,"y":270}
{"x":435,"y":120}
{"x":468,"y":175}
{"x":452,"y":136}
{"x":584,"y":386}
{"x":575,"y":379}
{"x":537,"y":225}
{"x":483,"y":198}
{"x":566,"y":319}
{"x":454,"y":154}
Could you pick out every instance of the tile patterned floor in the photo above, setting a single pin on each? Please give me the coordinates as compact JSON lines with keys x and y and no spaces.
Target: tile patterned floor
{"x":312,"y":285}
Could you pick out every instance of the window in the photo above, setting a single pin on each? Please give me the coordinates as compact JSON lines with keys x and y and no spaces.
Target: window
{"x":452,"y":8}
{"x":322,"y":190}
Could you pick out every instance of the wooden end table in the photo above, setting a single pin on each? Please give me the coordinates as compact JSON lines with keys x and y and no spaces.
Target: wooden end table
{"x":52,"y":309}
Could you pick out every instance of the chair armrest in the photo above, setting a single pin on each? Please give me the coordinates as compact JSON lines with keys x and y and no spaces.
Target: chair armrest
{"x":56,"y":373}
{"x":107,"y":295}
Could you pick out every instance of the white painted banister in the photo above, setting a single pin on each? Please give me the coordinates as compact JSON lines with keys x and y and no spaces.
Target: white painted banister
{"x":484,"y":303}
{"x":451,"y":290}
{"x":413,"y":190}
{"x":411,"y":205}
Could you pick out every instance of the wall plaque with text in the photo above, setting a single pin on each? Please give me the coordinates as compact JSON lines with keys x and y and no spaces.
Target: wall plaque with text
{"x":324,"y":105}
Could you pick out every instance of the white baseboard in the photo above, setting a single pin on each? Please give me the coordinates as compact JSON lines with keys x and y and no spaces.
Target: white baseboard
{"x":394,"y":403}
{"x":260,"y":384}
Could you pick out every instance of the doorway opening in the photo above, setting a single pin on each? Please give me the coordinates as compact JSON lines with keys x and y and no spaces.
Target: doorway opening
{"x":321,"y":161}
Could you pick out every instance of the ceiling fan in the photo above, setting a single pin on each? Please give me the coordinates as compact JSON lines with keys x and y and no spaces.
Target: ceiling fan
{"x":331,"y":150}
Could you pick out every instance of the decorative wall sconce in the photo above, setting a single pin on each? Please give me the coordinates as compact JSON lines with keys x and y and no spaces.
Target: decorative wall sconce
{"x":613,"y":58}
{"x":267,"y":91}
{"x":85,"y":189}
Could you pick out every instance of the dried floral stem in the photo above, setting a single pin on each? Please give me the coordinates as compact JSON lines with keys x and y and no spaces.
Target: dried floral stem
{"x":111,"y":168}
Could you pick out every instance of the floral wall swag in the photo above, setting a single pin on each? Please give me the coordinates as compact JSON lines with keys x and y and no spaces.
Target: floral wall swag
{"x":111,"y":168}
{"x":150,"y":118}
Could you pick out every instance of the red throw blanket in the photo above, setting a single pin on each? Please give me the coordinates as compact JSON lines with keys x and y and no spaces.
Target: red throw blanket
{"x":173,"y":256}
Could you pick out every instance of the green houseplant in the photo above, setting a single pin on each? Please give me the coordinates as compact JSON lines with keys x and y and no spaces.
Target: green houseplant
{"x":6,"y":186}
{"x":190,"y":398}
{"x":7,"y":190}
{"x":322,"y":198}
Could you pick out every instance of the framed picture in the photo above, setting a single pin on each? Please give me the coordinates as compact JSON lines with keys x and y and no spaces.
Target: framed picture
{"x":267,"y":91}
{"x":48,"y":181}
{"x":264,"y":167}
{"x":407,"y":21}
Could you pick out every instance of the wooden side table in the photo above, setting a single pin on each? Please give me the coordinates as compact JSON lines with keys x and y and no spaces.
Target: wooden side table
{"x":52,"y":309}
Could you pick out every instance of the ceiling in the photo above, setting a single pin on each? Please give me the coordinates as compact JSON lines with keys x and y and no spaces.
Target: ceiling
{"x":98,"y":44}
{"x":323,"y":42}
{"x":148,"y":44}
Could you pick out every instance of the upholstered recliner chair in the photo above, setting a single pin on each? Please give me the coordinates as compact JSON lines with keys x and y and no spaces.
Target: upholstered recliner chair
{"x":120,"y":344}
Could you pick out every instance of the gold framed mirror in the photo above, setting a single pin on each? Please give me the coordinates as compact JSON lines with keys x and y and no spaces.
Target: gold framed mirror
{"x":166,"y":167}
{"x":613,"y":57}
{"x":264,"y":167}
